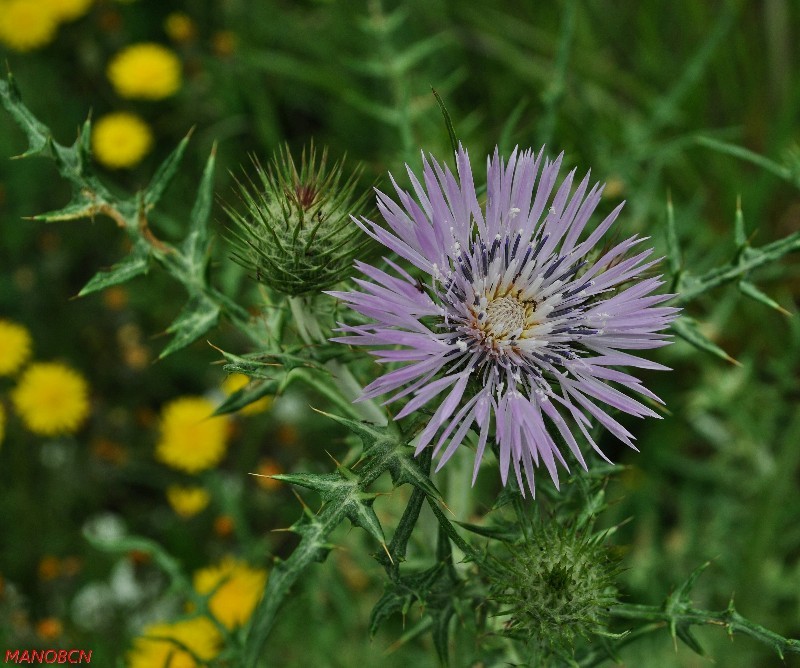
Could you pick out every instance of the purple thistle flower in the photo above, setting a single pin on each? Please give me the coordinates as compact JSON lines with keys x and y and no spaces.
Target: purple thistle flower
{"x":515,"y":321}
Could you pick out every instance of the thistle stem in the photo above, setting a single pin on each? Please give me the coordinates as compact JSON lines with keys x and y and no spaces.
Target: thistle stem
{"x":310,"y":330}
{"x":728,"y":618}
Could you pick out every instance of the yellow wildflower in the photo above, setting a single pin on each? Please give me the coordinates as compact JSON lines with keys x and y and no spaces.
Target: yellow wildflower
{"x":15,"y":347}
{"x":191,"y":440}
{"x":147,"y":70}
{"x":187,"y":501}
{"x":237,"y":589}
{"x":179,"y":27}
{"x":51,"y":399}
{"x":121,"y":140}
{"x":154,"y":648}
{"x":67,"y":10}
{"x":236,"y":381}
{"x":26,"y":25}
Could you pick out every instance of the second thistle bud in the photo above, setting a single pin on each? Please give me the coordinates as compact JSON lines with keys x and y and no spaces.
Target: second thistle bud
{"x":555,"y":586}
{"x":295,"y":232}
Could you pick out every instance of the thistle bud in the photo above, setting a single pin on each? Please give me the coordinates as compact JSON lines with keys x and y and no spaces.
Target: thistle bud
{"x":555,"y":586}
{"x":295,"y":232}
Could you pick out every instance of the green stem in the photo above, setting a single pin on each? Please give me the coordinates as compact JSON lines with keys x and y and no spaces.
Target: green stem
{"x":310,"y":330}
{"x":749,"y":260}
{"x":313,"y":547}
{"x":729,"y":618}
{"x":448,"y":528}
{"x":331,"y":393}
{"x":399,"y":543}
{"x":352,"y":390}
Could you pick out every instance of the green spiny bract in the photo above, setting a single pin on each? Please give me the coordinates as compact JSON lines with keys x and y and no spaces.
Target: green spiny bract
{"x":555,"y":586}
{"x":295,"y":233}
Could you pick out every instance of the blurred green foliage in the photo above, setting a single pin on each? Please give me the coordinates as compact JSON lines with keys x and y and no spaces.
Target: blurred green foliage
{"x":643,"y":93}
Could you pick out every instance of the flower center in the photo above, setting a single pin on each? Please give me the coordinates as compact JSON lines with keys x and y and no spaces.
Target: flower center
{"x":504,"y":316}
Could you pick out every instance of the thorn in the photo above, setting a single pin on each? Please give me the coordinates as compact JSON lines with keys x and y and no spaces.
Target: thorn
{"x":300,"y":499}
{"x":386,"y":549}
{"x":447,"y":508}
{"x":397,"y":644}
{"x":217,"y":348}
{"x":733,"y":361}
{"x":335,"y":461}
{"x":263,"y":475}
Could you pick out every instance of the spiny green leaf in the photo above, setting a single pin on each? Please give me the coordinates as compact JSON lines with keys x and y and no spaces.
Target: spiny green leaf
{"x":366,"y":431}
{"x":441,"y":632}
{"x":195,"y":246}
{"x":361,"y":514}
{"x":405,"y":590}
{"x":134,"y":265}
{"x":261,"y":365}
{"x":385,"y":445}
{"x":747,"y":261}
{"x":344,"y":493}
{"x":448,"y":533}
{"x":389,"y":604}
{"x":688,"y":330}
{"x":313,"y":529}
{"x":255,"y":365}
{"x":494,"y":532}
{"x":80,"y":207}
{"x":84,"y":142}
{"x":165,"y":173}
{"x":683,"y":592}
{"x":327,"y":484}
{"x":753,"y":292}
{"x":198,"y":316}
{"x":248,"y":395}
{"x":37,"y":133}
{"x":684,"y":632}
{"x":39,"y":146}
{"x":678,"y":602}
